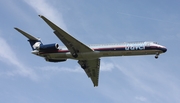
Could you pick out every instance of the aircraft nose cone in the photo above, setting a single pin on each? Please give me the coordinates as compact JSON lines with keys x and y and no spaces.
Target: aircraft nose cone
{"x":164,"y":50}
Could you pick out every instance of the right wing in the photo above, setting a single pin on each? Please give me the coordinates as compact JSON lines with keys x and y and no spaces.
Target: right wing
{"x":73,"y":45}
{"x":91,"y":67}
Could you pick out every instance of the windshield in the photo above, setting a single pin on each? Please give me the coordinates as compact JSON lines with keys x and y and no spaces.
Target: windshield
{"x":155,"y":42}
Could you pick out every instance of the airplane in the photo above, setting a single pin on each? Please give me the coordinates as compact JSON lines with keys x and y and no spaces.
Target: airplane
{"x":88,"y":56}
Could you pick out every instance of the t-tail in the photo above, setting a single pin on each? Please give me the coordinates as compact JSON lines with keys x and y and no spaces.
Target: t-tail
{"x":36,"y":43}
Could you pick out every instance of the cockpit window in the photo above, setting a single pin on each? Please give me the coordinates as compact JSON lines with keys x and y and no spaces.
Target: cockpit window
{"x":155,"y":42}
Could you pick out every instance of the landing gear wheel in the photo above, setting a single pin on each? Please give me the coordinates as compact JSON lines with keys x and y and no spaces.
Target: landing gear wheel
{"x":156,"y":56}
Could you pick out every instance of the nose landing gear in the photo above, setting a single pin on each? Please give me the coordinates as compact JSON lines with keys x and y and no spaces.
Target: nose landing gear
{"x":157,"y":55}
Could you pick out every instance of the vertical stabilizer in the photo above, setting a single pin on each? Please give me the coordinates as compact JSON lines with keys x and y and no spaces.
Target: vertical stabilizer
{"x":34,"y":42}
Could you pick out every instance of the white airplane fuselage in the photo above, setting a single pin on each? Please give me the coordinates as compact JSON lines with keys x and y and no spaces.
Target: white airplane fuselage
{"x":106,"y":50}
{"x":88,"y":56}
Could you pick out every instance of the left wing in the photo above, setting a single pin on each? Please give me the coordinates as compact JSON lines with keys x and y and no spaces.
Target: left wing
{"x":73,"y":45}
{"x":91,"y":67}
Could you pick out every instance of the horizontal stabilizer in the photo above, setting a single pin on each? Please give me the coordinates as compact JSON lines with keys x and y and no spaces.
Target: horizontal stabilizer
{"x":30,"y":37}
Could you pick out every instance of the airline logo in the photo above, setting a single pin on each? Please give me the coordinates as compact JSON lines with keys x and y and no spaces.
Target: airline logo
{"x":135,"y":46}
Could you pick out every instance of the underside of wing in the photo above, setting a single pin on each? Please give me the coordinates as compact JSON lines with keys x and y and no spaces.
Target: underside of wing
{"x":91,"y":67}
{"x":70,"y":42}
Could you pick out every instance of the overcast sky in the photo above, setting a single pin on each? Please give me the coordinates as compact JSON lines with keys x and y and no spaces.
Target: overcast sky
{"x":26,"y":78}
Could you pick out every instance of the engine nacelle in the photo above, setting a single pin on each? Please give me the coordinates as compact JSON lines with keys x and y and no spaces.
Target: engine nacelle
{"x":38,"y":46}
{"x":55,"y":60}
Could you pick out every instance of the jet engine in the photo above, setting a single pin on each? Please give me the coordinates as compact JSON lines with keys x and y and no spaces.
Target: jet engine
{"x":42,"y":47}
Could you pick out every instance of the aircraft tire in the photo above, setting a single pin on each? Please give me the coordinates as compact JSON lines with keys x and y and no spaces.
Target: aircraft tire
{"x":156,"y":56}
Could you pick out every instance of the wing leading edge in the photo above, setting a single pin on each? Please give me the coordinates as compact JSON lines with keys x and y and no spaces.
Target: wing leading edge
{"x":91,"y":67}
{"x":70,"y":42}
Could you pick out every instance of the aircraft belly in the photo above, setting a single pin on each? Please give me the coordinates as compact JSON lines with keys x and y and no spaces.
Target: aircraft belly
{"x":111,"y":53}
{"x":68,"y":55}
{"x":55,"y":56}
{"x":129,"y":53}
{"x":98,"y":54}
{"x":138,"y":52}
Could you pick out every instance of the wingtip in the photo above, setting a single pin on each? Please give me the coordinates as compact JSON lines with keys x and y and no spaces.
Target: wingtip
{"x":40,"y":16}
{"x":95,"y":85}
{"x":16,"y":28}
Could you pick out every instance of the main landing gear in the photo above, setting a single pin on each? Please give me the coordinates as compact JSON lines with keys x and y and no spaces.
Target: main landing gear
{"x":75,"y":55}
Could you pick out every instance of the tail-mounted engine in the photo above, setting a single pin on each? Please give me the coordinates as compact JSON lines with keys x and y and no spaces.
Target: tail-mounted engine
{"x":39,"y":46}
